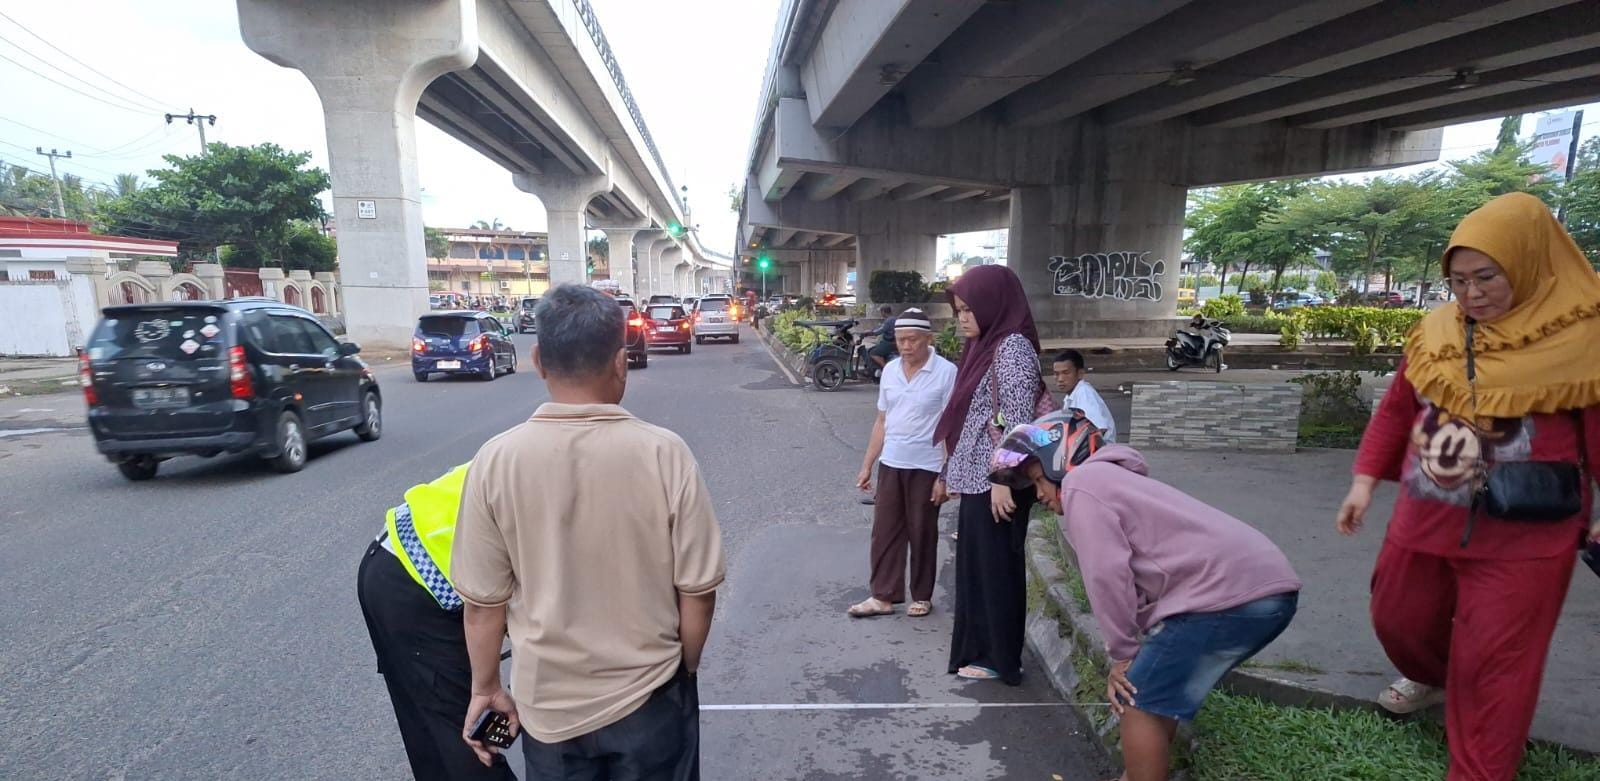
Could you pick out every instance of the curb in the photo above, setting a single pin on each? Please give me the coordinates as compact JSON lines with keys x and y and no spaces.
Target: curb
{"x":794,"y":364}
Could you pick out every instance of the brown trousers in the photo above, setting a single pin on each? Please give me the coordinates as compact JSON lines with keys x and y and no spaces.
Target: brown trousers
{"x":904,"y":516}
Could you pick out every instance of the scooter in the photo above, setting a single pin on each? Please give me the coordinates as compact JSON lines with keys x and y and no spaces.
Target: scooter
{"x":840,"y":356}
{"x":1202,"y":347}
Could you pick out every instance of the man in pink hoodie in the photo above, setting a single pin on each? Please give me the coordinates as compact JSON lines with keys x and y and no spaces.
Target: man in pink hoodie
{"x":1182,"y":591}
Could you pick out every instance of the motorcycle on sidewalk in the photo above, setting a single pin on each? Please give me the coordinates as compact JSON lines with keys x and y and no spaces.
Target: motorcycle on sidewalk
{"x":839,"y":356}
{"x":1203,"y":346}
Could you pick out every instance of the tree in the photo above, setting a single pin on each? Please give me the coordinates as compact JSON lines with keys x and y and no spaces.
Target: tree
{"x":497,"y":225}
{"x":1241,"y":225}
{"x":1580,"y":202}
{"x":246,"y":197}
{"x":125,"y":184}
{"x":735,"y":198}
{"x":1358,"y":223}
{"x":436,"y":244}
{"x":25,"y":193}
{"x":958,"y":257}
{"x":600,"y":248}
{"x":1509,"y":128}
{"x":1502,"y":171}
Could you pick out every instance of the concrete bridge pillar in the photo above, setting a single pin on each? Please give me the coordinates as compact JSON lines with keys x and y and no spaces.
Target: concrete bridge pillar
{"x":657,"y":283}
{"x":619,"y":251}
{"x":1099,"y":257}
{"x":369,"y":61}
{"x":565,"y":200}
{"x":894,"y":250}
{"x":667,"y":270}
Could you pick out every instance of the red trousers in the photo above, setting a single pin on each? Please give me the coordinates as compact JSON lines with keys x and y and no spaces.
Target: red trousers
{"x":903,"y":518}
{"x":1480,"y":628}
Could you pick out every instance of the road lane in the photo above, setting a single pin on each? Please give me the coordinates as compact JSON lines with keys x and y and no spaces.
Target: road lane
{"x":204,"y":624}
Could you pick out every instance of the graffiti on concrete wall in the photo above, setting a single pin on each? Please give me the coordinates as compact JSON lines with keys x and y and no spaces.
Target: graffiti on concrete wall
{"x":1125,"y":276}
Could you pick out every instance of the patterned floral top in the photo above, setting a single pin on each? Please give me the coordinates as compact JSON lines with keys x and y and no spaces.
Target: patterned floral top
{"x":1017,"y":365}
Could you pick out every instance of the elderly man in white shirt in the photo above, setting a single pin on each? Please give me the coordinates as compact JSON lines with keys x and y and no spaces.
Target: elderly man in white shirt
{"x":913,"y":393}
{"x":1071,"y":379}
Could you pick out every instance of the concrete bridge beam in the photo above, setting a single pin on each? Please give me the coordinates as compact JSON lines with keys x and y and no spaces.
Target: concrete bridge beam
{"x":370,"y":61}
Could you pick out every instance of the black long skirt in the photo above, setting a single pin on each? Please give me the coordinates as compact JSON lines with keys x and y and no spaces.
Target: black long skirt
{"x":991,"y":587}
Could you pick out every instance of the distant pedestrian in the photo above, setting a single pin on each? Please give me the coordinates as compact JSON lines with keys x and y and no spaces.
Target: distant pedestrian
{"x":413,"y":617}
{"x":884,"y":349}
{"x":1182,"y":591}
{"x":590,"y":534}
{"x":1072,"y":379}
{"x":915,"y":389}
{"x":998,"y":384}
{"x":1492,"y":429}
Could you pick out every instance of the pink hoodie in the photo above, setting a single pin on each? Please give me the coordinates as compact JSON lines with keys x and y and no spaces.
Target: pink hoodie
{"x":1149,"y":551}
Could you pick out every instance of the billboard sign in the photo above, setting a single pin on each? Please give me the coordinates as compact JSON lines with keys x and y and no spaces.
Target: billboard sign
{"x":1552,"y":144}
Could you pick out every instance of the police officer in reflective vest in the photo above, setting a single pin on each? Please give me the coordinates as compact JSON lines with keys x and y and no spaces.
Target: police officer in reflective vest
{"x":414,"y":617}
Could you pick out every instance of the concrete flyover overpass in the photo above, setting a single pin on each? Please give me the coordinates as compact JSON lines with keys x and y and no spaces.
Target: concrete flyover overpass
{"x":532,"y":85}
{"x":1080,"y":126}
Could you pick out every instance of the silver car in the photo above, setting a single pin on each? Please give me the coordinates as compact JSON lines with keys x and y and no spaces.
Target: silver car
{"x":716,"y":317}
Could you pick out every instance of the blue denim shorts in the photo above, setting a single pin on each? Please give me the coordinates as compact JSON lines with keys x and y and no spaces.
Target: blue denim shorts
{"x":1185,"y":655}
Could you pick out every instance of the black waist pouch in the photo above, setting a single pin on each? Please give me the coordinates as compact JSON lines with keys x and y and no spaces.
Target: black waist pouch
{"x":1533,"y":491}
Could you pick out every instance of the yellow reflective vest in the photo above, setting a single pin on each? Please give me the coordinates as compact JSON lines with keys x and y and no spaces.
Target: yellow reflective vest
{"x":422,"y":530}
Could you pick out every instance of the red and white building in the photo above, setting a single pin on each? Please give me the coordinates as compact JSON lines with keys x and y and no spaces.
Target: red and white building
{"x":37,"y":248}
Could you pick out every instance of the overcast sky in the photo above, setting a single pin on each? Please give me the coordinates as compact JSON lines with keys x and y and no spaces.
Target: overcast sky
{"x":694,"y":66}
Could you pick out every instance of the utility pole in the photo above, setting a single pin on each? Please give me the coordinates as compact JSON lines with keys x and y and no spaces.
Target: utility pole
{"x":61,"y":206}
{"x":199,"y":121}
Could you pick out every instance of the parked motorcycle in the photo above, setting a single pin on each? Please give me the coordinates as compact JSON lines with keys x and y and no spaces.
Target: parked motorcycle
{"x":1202,"y":346}
{"x":840,"y":356}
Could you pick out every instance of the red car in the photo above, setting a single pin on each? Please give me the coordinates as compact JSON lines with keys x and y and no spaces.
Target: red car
{"x":670,"y":326}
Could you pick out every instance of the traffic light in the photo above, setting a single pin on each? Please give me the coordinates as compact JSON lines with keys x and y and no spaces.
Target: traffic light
{"x":675,"y":230}
{"x":763,"y":262}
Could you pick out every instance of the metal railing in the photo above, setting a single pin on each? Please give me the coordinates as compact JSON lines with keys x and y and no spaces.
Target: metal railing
{"x":592,"y":24}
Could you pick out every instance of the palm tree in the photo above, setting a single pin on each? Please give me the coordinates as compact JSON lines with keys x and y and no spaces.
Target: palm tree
{"x":125,"y":184}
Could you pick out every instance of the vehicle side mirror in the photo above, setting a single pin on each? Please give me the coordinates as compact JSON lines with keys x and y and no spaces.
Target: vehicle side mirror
{"x":349,"y":348}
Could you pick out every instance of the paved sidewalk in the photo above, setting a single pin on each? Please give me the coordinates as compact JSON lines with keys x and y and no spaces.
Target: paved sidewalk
{"x":1293,"y":500}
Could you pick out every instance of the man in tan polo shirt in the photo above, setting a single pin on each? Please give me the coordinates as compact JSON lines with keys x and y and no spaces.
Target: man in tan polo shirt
{"x":590,"y":534}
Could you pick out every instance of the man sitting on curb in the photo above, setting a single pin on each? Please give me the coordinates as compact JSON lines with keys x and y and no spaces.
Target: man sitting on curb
{"x":1182,"y":592}
{"x":915,"y":389}
{"x":1072,"y":379}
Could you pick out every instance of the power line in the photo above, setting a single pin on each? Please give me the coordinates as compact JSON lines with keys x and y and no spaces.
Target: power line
{"x":75,"y":89}
{"x":69,"y":74}
{"x":90,"y":68}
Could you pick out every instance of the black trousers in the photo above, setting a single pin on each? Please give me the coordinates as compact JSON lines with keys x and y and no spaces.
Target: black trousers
{"x":658,"y":742}
{"x":422,"y":654}
{"x":991,"y":587}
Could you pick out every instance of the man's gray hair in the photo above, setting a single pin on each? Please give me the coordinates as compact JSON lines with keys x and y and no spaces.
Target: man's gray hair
{"x":580,"y":330}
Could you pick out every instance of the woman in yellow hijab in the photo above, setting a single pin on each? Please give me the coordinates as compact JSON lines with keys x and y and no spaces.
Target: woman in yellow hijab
{"x":1468,"y":586}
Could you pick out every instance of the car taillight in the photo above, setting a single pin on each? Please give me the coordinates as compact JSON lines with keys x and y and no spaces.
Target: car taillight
{"x":239,"y":374}
{"x":637,"y":322}
{"x":86,"y":378}
{"x":480,"y":344}
{"x":686,"y":325}
{"x":418,"y":346}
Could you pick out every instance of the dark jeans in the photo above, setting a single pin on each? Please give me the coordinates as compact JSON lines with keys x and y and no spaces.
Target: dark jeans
{"x":658,"y":742}
{"x":422,"y":654}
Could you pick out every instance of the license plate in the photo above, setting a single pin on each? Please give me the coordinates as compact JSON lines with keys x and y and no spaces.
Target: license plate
{"x":161,"y":397}
{"x":664,"y":330}
{"x":449,"y":364}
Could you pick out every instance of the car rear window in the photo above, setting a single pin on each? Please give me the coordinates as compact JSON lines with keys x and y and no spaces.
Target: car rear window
{"x":714,"y":305}
{"x":666,"y":313}
{"x":530,"y":303}
{"x":448,"y":326}
{"x":180,"y":334}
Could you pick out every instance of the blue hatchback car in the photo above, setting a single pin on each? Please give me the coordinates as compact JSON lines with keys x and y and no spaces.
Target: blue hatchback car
{"x":463,"y":342}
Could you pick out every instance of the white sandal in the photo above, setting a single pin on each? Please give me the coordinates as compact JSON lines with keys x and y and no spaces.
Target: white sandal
{"x":1406,"y":696}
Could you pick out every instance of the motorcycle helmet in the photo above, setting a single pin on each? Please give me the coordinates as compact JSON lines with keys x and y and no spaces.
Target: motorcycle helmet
{"x":1060,"y":440}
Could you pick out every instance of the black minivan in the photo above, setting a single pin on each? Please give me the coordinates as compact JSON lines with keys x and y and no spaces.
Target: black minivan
{"x":208,"y":377}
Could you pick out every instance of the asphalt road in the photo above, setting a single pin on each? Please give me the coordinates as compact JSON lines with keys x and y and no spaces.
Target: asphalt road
{"x":204,"y":625}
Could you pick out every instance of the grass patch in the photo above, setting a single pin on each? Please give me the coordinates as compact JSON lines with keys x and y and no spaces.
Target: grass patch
{"x":1345,"y":436}
{"x":1246,"y":739}
{"x":1300,"y":666}
{"x":1036,"y":598}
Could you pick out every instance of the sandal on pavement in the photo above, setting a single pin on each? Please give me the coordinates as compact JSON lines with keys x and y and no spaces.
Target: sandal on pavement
{"x":919,"y":608}
{"x":869,"y":607}
{"x":1407,"y":696}
{"x":973,"y":672}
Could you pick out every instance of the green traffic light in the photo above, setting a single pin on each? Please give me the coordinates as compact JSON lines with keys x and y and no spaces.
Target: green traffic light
{"x":763,"y":262}
{"x":675,"y":229}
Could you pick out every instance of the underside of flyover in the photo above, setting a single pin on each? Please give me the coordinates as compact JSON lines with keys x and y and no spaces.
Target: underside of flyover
{"x":1080,"y":127}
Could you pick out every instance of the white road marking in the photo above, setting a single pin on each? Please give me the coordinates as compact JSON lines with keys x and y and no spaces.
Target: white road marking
{"x":775,"y":359}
